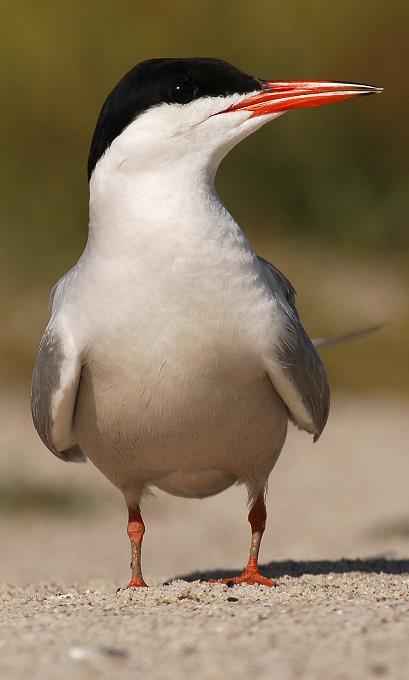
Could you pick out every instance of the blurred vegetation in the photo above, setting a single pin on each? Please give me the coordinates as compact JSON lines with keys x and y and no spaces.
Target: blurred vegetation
{"x":316,"y":187}
{"x":24,"y":498}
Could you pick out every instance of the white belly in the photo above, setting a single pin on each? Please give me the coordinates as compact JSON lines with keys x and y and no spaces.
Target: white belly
{"x":192,"y":419}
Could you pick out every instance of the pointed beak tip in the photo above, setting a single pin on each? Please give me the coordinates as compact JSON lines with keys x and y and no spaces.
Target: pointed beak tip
{"x":281,"y":96}
{"x":370,"y":89}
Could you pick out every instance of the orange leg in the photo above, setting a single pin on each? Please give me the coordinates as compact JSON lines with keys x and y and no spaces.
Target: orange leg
{"x":251,"y":575}
{"x":136,"y":530}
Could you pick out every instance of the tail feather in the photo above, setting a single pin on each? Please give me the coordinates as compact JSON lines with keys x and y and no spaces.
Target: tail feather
{"x":328,"y":341}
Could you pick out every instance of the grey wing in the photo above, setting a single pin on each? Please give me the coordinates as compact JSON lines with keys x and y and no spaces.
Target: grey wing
{"x":54,"y":390}
{"x":278,"y":281}
{"x":294,"y":367}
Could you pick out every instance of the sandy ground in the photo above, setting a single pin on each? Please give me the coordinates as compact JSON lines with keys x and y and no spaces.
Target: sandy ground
{"x":337,"y":540}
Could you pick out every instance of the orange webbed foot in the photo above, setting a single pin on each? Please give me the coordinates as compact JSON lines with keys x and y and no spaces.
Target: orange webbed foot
{"x":248,"y":577}
{"x":137,"y":582}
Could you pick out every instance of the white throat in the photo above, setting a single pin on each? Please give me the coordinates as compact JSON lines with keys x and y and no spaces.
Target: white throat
{"x":156,"y":211}
{"x":163,"y":214}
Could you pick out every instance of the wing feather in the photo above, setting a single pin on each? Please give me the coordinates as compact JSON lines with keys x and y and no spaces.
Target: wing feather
{"x":54,"y":390}
{"x":295,"y":368}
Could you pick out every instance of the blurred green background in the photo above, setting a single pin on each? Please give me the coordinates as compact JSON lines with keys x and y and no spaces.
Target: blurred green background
{"x":322,"y":193}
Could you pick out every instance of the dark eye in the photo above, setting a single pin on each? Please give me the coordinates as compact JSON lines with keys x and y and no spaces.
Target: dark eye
{"x":182,"y":92}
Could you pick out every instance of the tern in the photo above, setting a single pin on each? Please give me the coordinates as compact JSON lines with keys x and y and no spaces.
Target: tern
{"x":174,"y":356}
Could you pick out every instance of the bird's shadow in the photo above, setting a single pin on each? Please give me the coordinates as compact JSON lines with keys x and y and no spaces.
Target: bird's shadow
{"x":372,"y":565}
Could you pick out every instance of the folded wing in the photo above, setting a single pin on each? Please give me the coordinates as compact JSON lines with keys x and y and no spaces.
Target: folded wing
{"x":54,"y":389}
{"x":294,"y":367}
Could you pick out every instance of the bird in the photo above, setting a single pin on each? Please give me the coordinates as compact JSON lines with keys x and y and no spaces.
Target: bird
{"x":174,"y":357}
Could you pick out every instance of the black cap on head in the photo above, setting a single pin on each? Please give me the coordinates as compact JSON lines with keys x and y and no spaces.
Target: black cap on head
{"x":157,"y":81}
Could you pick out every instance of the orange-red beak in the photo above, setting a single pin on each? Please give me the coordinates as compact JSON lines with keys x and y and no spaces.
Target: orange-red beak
{"x":285,"y":95}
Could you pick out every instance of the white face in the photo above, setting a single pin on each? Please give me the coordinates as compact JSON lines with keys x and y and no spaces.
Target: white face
{"x":196,"y":135}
